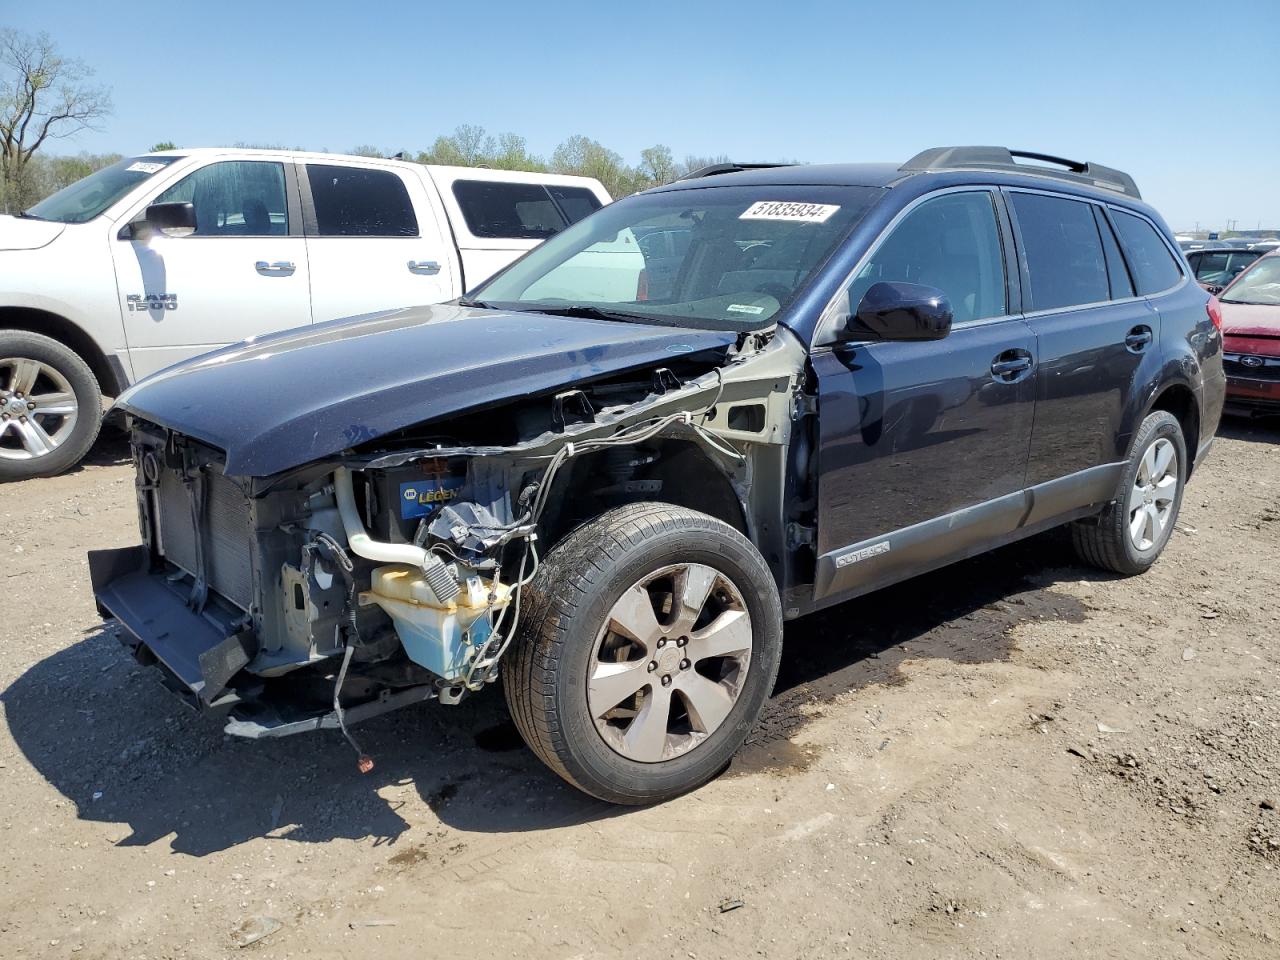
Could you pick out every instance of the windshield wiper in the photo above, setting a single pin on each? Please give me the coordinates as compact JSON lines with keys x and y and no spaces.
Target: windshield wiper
{"x":590,"y":313}
{"x":478,"y":304}
{"x":25,"y":215}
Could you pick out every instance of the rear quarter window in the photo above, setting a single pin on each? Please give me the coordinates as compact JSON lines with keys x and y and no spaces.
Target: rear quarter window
{"x":1150,"y":261}
{"x":521,"y":211}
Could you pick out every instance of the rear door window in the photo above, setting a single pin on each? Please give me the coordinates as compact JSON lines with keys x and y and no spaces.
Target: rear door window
{"x":359,"y":202}
{"x":1063,"y":251}
{"x":521,"y":211}
{"x":1151,"y":262}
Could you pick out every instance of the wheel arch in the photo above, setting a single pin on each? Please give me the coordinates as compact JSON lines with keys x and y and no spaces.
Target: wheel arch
{"x":111,"y":378}
{"x":1179,"y":399}
{"x":688,"y":476}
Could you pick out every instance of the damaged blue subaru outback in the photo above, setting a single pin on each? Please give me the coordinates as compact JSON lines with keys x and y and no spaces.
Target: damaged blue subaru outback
{"x":607,"y":476}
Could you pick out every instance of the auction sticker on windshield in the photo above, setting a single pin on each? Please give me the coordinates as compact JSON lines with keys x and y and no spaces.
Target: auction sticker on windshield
{"x":787,"y":210}
{"x":143,"y":166}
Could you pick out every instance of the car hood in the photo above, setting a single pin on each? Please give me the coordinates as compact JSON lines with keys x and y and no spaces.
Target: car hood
{"x":279,"y":401}
{"x":18,"y":233}
{"x":1250,"y":319}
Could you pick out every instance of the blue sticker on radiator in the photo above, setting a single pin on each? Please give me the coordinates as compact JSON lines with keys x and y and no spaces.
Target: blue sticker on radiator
{"x":424,"y":497}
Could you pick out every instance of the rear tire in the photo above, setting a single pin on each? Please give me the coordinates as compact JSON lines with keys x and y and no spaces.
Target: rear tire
{"x":636,"y":707}
{"x":50,"y":406}
{"x":1131,"y":532}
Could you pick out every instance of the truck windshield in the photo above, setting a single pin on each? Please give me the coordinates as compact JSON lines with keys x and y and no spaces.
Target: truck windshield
{"x":718,"y":257}
{"x":85,"y":199}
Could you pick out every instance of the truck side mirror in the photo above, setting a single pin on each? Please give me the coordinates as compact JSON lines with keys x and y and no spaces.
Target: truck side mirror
{"x":176,"y":219}
{"x":893,"y":310}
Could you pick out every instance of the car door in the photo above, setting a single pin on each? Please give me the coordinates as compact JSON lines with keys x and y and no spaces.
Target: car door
{"x":923,"y":446}
{"x":1098,"y":344}
{"x":242,"y":272}
{"x":370,"y":246}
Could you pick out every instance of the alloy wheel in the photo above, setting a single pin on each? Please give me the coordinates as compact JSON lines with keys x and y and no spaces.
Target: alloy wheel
{"x":38,"y":408}
{"x":669,"y":663}
{"x":1155,"y":488}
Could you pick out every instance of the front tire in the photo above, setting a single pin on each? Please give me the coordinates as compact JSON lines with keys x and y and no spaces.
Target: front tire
{"x":1131,"y":532}
{"x":651,"y":640}
{"x":50,"y":406}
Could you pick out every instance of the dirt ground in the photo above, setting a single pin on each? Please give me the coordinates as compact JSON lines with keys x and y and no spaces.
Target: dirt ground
{"x":1013,"y":757}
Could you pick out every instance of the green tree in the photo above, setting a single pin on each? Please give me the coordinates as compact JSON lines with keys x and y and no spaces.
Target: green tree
{"x":581,"y":156}
{"x":364,"y":150}
{"x":162,"y":146}
{"x":43,"y":96}
{"x":657,"y":165}
{"x":512,"y":153}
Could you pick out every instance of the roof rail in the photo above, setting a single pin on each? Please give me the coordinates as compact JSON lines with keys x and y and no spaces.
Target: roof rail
{"x":716,"y":168}
{"x":1002,"y":158}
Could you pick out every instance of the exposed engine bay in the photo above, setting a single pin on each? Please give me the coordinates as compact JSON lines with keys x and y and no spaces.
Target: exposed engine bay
{"x":394,"y":572}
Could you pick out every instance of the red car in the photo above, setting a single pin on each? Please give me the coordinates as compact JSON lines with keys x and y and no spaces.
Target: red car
{"x":1250,"y":307}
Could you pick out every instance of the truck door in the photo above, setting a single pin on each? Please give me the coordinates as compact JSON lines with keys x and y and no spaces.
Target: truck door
{"x":373,"y":244}
{"x":923,"y":446}
{"x":242,"y":273}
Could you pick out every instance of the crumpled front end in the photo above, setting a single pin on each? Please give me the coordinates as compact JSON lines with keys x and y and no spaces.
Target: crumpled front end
{"x":392,"y":572}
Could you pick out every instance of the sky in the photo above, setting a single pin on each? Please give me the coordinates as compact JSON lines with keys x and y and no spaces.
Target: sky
{"x":1184,"y":96}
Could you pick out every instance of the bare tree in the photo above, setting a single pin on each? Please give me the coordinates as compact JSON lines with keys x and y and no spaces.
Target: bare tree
{"x":43,"y":96}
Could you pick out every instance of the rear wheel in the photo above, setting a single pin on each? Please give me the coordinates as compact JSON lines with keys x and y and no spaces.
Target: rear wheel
{"x":651,"y":640}
{"x":50,"y":406}
{"x":1131,"y":532}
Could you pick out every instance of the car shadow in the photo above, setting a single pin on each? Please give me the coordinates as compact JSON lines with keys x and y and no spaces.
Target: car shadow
{"x":111,"y":448}
{"x":104,"y":733}
{"x":1253,"y":430}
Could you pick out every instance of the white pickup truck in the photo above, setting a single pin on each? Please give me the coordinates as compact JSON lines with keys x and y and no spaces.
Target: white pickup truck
{"x":164,"y":256}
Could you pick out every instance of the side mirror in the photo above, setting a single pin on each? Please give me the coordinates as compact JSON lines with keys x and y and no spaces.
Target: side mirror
{"x":167,"y":219}
{"x":892,"y":310}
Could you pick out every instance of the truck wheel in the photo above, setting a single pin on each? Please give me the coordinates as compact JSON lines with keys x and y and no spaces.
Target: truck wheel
{"x":650,"y":641}
{"x":1130,"y":533}
{"x":50,"y":406}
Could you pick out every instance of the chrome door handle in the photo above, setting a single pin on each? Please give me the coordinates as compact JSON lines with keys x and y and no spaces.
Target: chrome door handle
{"x":424,"y":266}
{"x":280,"y":266}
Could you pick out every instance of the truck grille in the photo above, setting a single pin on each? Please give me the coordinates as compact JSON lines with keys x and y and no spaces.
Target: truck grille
{"x":227,"y":532}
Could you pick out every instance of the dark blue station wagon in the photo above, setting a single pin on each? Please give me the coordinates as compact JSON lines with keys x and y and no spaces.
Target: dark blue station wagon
{"x":609,"y":474}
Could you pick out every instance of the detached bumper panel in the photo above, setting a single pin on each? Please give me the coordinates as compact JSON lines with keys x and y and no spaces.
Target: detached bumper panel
{"x":201,"y":653}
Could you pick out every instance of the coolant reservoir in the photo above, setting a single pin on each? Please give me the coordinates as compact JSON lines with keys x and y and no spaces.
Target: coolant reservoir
{"x":443,"y":637}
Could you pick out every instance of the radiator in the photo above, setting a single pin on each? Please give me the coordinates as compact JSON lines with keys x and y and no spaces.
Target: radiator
{"x":227,"y":532}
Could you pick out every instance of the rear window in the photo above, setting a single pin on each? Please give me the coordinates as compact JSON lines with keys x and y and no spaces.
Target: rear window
{"x":1151,"y":262}
{"x":1063,"y":251}
{"x":521,"y":211}
{"x":356,"y":202}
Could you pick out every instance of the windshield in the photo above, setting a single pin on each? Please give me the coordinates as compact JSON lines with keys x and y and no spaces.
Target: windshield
{"x":1259,"y":284}
{"x":85,"y":199}
{"x":724,"y":258}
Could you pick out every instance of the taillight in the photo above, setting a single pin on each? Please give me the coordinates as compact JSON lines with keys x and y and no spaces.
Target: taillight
{"x":1214,"y":309}
{"x":642,"y":286}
